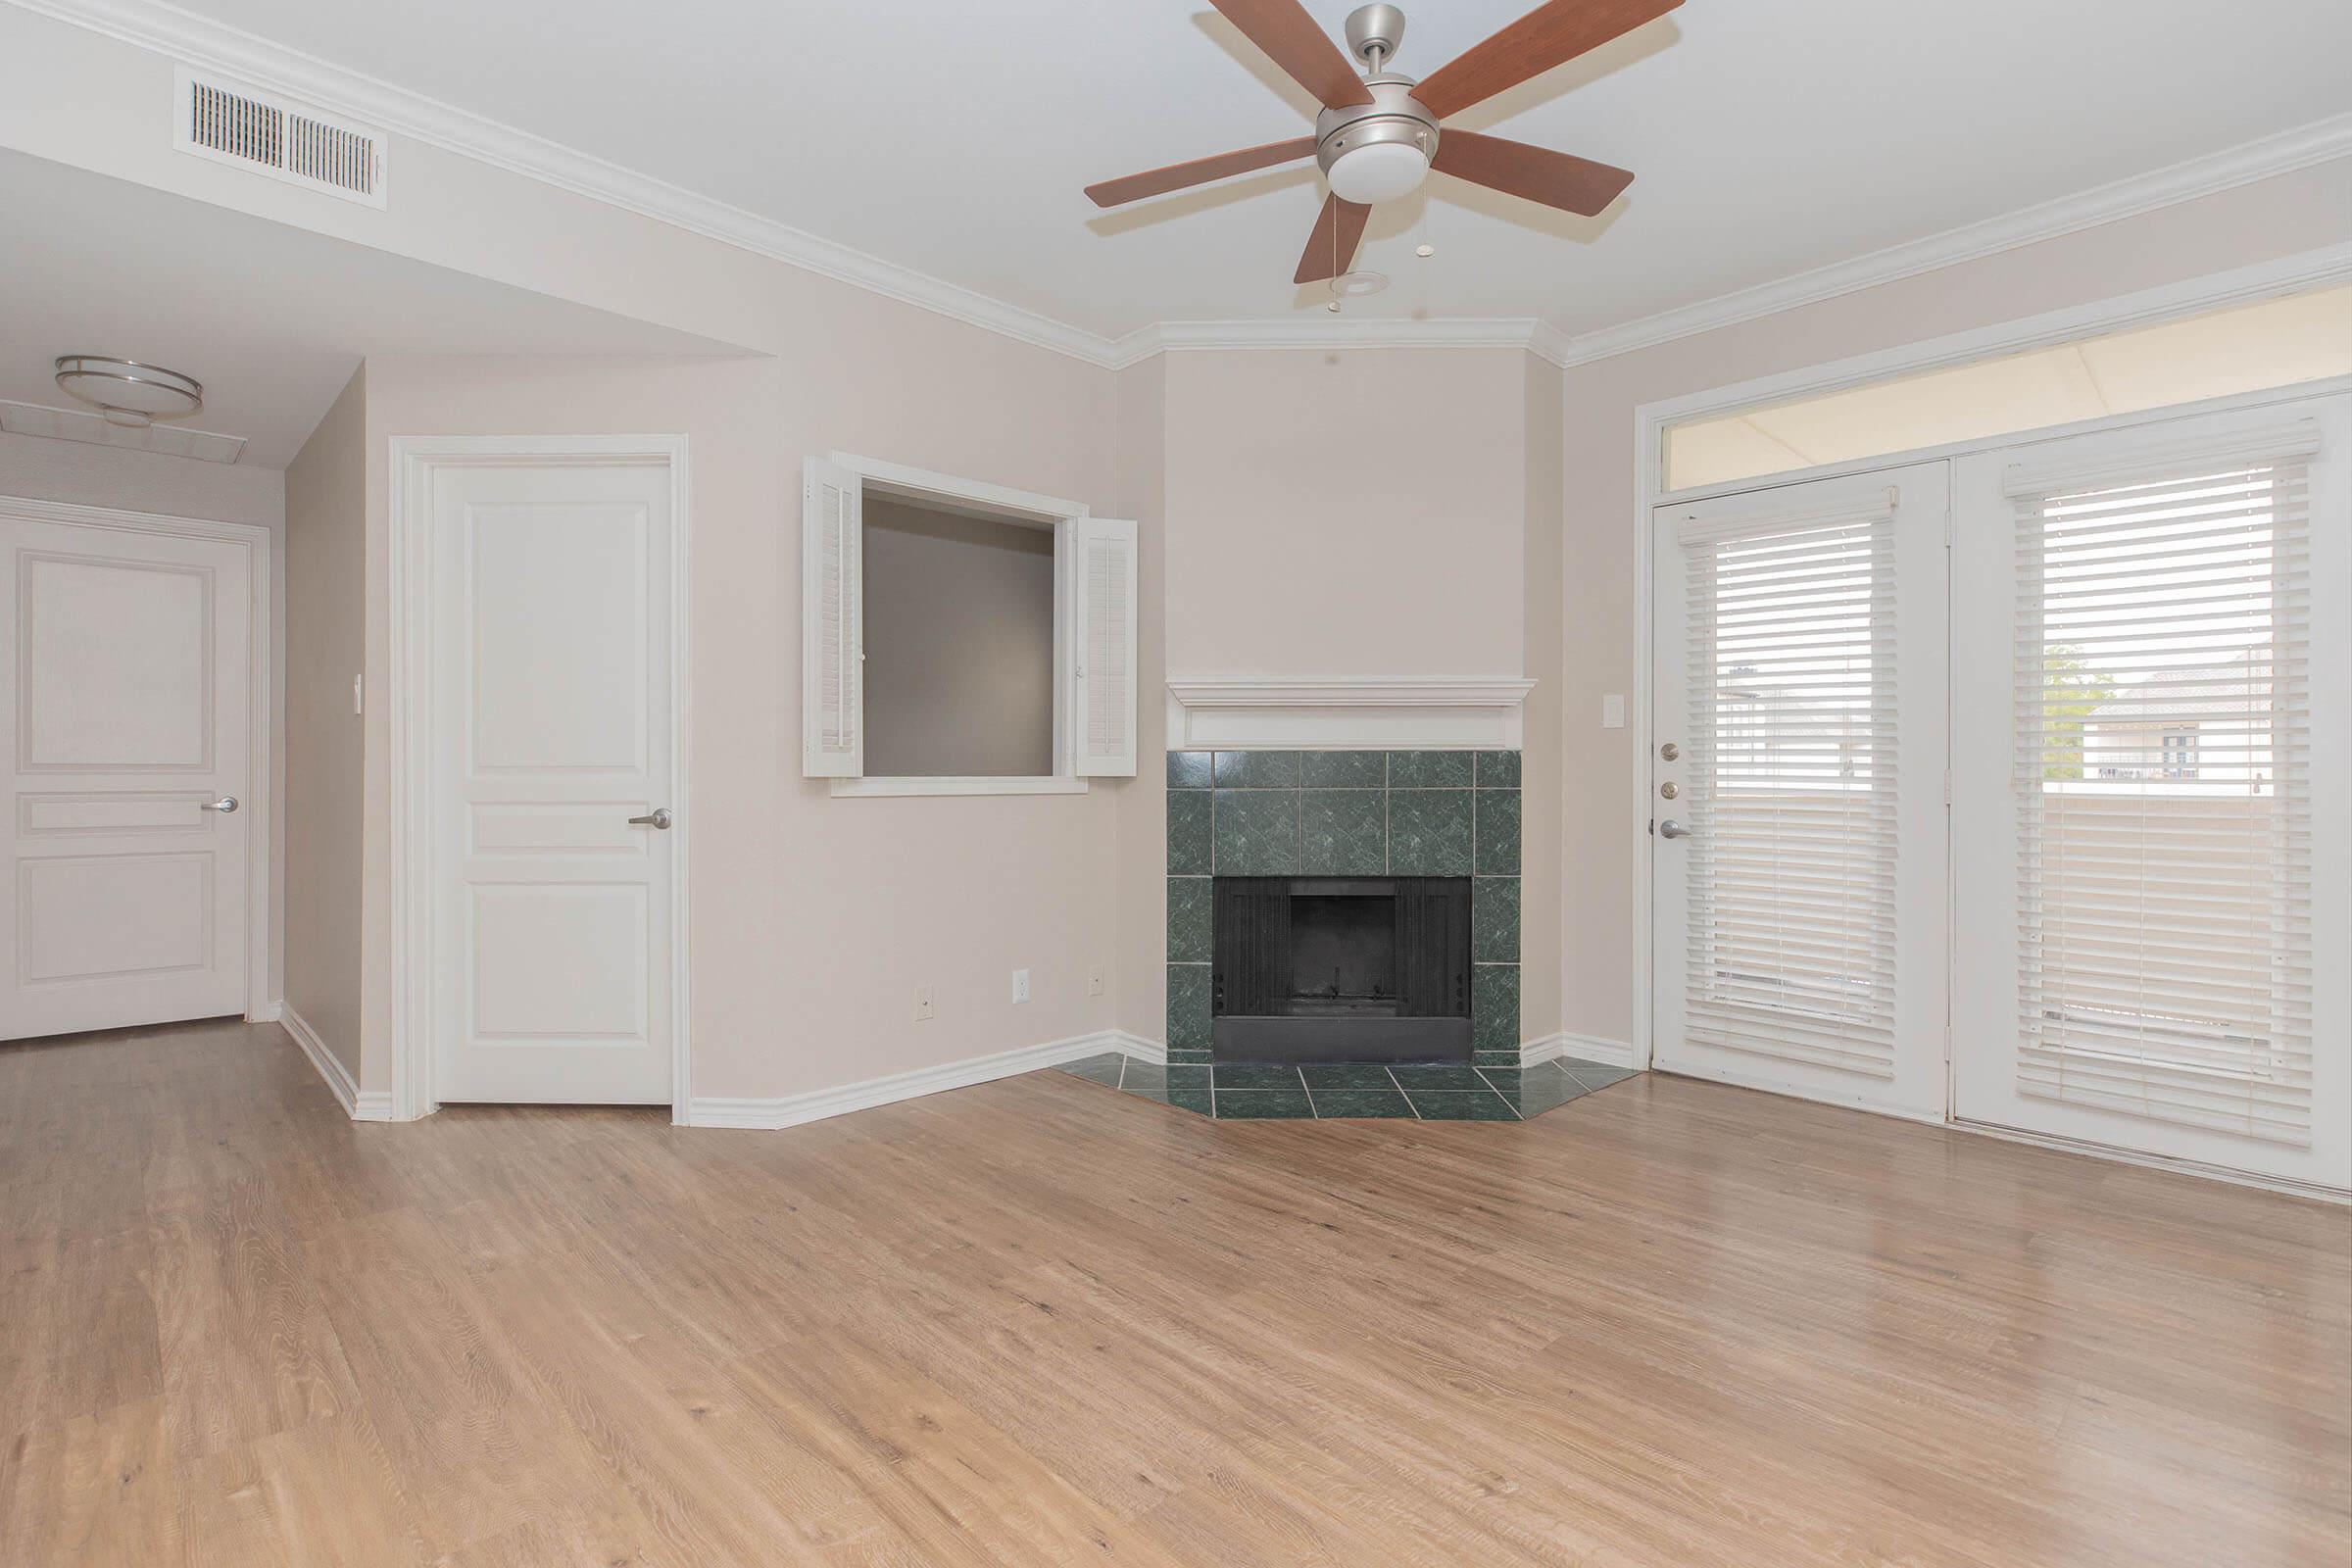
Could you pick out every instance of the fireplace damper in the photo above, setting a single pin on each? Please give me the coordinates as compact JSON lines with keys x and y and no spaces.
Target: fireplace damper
{"x":1341,"y":970}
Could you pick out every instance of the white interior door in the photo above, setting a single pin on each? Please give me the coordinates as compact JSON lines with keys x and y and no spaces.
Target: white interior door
{"x":1799,"y":868}
{"x":551,"y":746}
{"x":126,"y":662}
{"x":2154,"y":728}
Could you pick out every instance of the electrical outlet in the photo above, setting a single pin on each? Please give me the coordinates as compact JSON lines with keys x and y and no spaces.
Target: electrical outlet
{"x":922,"y":1003}
{"x":1094,"y":981}
{"x":1020,"y":985}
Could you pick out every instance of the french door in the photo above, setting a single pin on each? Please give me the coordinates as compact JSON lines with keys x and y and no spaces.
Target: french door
{"x":1799,"y":716}
{"x":2153,"y":720}
{"x":2118,"y":866}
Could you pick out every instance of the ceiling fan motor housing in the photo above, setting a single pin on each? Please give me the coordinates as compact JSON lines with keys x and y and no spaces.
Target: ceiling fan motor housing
{"x":1393,"y":115}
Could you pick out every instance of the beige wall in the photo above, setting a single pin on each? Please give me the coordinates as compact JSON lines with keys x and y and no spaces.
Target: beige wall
{"x":1140,"y":444}
{"x":327,"y":604}
{"x":1542,"y":804}
{"x":1602,"y":827}
{"x":811,"y":918}
{"x":958,"y":626}
{"x":1355,"y":513}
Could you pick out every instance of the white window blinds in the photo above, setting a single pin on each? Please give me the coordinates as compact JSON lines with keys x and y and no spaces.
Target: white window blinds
{"x":2161,"y":767}
{"x":832,"y":622}
{"x":1098,"y":589}
{"x":1792,"y":894}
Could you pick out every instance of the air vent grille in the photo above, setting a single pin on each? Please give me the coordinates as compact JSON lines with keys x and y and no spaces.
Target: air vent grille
{"x":269,"y":135}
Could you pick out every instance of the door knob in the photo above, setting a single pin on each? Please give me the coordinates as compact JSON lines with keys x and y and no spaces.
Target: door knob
{"x":1670,"y":829}
{"x":227,"y":803}
{"x":658,"y":818}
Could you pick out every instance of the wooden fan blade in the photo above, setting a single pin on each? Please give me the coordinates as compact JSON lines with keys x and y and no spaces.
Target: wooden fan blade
{"x":1199,"y":172}
{"x":1547,"y":37}
{"x":1306,"y":53}
{"x":1572,"y":184}
{"x":1331,"y":248}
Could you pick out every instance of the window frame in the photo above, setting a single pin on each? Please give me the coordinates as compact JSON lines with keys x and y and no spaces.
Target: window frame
{"x":899,"y":481}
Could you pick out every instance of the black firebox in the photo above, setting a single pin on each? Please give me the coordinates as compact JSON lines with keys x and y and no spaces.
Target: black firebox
{"x":1373,"y":969}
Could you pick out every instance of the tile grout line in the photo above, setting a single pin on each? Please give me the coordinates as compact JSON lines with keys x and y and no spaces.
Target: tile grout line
{"x":1400,"y":1088}
{"x":1312,"y":1113}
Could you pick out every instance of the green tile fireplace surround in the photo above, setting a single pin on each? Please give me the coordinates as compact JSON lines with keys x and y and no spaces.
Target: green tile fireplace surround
{"x":1345,"y":814}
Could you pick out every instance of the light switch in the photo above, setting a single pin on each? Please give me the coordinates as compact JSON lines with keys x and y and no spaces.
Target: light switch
{"x":1612,"y":712}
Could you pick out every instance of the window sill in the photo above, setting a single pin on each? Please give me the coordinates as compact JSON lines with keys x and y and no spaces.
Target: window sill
{"x":959,"y":785}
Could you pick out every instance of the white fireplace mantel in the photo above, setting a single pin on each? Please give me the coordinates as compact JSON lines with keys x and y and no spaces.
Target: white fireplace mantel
{"x":1347,"y":712}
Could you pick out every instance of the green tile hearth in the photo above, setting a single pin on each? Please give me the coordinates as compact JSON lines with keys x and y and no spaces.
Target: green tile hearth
{"x":1346,"y":833}
{"x":1408,"y":1091}
{"x":1429,"y":832}
{"x":1264,"y":1104}
{"x":1191,"y":919}
{"x":1498,"y":851}
{"x":1430,"y":771}
{"x":1336,"y":1075}
{"x":1360,"y":1105}
{"x":1258,"y":770}
{"x":1256,"y":832}
{"x":1257,"y":1075}
{"x":1344,"y":770}
{"x":1448,"y":1104}
{"x":1188,"y":833}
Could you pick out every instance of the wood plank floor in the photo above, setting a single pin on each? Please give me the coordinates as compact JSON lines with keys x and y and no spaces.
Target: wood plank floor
{"x":1042,"y":1322}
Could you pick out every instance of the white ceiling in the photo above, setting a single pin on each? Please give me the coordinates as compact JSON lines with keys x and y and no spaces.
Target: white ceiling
{"x":953,"y":137}
{"x":272,"y":320}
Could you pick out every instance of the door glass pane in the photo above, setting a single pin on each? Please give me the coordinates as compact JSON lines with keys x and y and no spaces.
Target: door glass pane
{"x":2164,"y":848}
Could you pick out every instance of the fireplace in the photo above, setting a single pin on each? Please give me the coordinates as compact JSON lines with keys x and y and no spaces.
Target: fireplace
{"x":1372,"y":969}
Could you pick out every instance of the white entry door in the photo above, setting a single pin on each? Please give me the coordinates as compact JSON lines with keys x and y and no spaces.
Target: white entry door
{"x":1798,"y":789}
{"x":125,"y":663}
{"x":552,"y":769}
{"x":2154,"y":726}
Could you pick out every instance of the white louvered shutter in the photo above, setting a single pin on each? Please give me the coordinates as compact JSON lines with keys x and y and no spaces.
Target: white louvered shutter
{"x":1791,"y":888}
{"x":2163,"y":772}
{"x":832,"y":622}
{"x":1098,"y":574}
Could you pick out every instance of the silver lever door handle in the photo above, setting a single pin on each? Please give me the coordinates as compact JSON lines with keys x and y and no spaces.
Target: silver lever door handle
{"x":227,"y":803}
{"x":1670,"y":829}
{"x":658,"y":818}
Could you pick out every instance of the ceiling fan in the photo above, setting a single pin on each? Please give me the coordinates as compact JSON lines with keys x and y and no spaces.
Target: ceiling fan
{"x":1378,"y":137}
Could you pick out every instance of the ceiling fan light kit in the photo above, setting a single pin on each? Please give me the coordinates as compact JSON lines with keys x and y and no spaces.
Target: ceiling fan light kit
{"x":1378,"y":135}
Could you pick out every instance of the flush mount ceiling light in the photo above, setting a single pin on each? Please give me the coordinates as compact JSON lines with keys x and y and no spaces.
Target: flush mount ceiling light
{"x":1377,"y":136}
{"x":1359,"y":282}
{"x":130,"y":394}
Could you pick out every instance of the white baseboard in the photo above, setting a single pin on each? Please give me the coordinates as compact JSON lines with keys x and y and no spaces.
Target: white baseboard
{"x":267,"y":1012}
{"x":791,"y":1110}
{"x":1141,"y":1049}
{"x":358,"y":1104}
{"x":1593,"y":1048}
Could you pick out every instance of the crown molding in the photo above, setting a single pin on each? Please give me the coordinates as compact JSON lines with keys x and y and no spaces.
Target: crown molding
{"x":257,"y":61}
{"x":1536,"y":337}
{"x":260,"y":63}
{"x":2316,"y":143}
